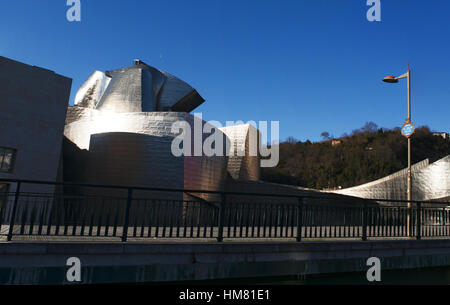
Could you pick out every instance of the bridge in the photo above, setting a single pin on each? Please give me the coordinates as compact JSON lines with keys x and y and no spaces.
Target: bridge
{"x":141,"y":235}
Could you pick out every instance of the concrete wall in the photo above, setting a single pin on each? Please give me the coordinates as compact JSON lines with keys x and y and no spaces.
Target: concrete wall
{"x":45,"y":263}
{"x":33,"y":103}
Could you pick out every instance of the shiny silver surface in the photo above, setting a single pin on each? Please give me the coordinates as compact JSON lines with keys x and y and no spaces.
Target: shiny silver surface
{"x":429,"y":181}
{"x":129,"y":91}
{"x":137,"y":88}
{"x":118,"y":135}
{"x":243,"y":160}
{"x":135,"y":148}
{"x":92,"y":90}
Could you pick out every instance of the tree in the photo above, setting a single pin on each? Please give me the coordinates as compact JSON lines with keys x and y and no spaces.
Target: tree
{"x":325,"y":135}
{"x":320,"y":165}
{"x":369,"y":127}
{"x":291,"y":140}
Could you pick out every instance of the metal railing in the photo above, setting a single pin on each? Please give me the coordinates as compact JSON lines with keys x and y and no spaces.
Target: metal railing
{"x":230,"y":215}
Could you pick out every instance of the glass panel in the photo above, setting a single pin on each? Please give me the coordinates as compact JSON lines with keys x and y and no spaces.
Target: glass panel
{"x":7,"y":160}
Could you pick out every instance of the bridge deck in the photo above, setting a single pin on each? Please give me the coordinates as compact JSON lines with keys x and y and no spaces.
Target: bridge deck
{"x":112,"y":262}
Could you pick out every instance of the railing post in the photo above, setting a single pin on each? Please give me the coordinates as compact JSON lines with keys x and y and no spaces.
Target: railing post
{"x":364,"y":221}
{"x":127,"y":215}
{"x":221,"y":217}
{"x":419,"y":220}
{"x":13,"y":212}
{"x":299,"y":218}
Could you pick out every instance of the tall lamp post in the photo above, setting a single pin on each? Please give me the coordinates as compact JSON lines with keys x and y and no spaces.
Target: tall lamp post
{"x":407,"y":131}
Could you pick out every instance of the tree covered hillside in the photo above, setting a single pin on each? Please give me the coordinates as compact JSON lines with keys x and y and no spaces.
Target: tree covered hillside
{"x":367,"y":154}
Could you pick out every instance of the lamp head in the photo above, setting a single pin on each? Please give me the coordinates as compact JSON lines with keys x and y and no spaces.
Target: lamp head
{"x":390,"y":79}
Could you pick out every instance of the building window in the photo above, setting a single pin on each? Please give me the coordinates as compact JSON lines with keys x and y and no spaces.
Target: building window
{"x":7,"y":158}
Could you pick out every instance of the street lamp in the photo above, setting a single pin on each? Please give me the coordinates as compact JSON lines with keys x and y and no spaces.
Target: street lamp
{"x":407,"y":131}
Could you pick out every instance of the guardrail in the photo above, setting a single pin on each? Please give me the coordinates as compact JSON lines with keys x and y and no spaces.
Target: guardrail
{"x":129,"y":215}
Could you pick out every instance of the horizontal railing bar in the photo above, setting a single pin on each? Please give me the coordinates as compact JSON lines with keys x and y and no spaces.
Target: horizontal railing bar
{"x":123,"y":187}
{"x":57,"y":195}
{"x":141,"y":188}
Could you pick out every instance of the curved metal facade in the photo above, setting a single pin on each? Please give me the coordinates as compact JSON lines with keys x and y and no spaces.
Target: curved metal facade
{"x":429,"y":182}
{"x":135,"y":148}
{"x":92,"y":90}
{"x":122,"y":137}
{"x":137,"y":88}
{"x":243,"y":157}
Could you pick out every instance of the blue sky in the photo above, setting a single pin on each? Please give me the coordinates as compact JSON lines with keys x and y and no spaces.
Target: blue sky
{"x":313,"y":65}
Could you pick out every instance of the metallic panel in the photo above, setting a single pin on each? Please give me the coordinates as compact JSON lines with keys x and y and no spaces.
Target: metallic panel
{"x":76,"y":113}
{"x":92,"y":90}
{"x":135,"y":148}
{"x":129,"y":91}
{"x":178,"y":95}
{"x":137,"y":88}
{"x":242,"y":164}
{"x":429,"y":181}
{"x":120,"y":158}
{"x":94,"y":122}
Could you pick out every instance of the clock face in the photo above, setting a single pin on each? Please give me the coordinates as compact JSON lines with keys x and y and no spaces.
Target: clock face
{"x":408,"y":129}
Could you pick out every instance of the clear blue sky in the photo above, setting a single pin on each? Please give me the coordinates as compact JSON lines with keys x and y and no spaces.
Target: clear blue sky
{"x":313,"y":65}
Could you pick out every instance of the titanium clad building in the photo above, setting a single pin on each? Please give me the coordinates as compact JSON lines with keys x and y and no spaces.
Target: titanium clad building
{"x":429,"y":182}
{"x":120,"y":131}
